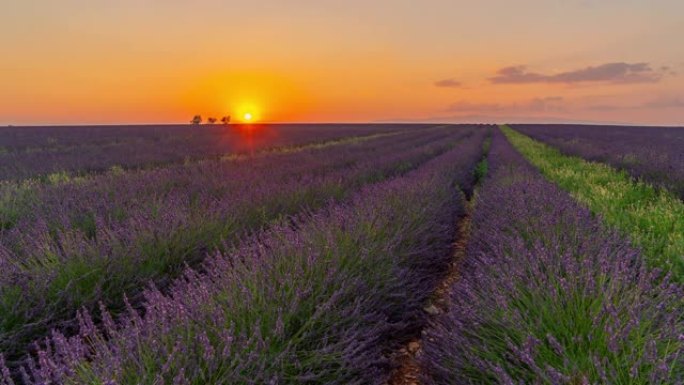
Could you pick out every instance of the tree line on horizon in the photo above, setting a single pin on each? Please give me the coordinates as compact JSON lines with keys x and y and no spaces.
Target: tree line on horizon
{"x":197,"y":119}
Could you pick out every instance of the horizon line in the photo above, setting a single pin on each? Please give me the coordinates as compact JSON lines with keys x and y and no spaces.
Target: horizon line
{"x":376,"y":122}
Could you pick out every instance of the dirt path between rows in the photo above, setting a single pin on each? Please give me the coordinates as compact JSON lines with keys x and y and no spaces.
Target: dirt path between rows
{"x":409,"y":370}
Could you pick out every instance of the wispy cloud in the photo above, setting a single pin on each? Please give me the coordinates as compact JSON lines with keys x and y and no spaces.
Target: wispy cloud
{"x":516,"y":74}
{"x":448,"y":83}
{"x":658,"y":103}
{"x":665,"y":103}
{"x":615,"y":73}
{"x":501,"y":118}
{"x":606,"y":107}
{"x":465,"y":106}
{"x":545,"y":104}
{"x":549,"y":103}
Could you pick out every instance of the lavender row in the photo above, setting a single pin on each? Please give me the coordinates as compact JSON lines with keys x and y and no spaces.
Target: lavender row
{"x":320,"y":300}
{"x":27,"y":200}
{"x":548,"y":295}
{"x":146,"y":226}
{"x":39,"y":151}
{"x":654,"y":154}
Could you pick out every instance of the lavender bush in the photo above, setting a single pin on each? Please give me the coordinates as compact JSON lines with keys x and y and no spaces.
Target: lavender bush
{"x":39,"y":151}
{"x":548,"y":295}
{"x":96,"y":239}
{"x":320,"y":300}
{"x":654,"y":154}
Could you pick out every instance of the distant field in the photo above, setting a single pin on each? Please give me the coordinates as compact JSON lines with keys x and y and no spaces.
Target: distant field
{"x":653,"y":154}
{"x":341,"y":254}
{"x":39,"y":151}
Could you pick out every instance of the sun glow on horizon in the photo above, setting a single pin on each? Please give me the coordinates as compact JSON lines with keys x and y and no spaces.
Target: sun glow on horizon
{"x":249,"y":112}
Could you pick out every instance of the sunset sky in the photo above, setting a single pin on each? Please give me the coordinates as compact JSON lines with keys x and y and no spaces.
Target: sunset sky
{"x":162,"y":61}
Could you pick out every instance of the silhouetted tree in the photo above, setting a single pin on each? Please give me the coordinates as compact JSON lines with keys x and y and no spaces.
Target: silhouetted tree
{"x":211,"y":120}
{"x":225,"y":119}
{"x":197,"y":119}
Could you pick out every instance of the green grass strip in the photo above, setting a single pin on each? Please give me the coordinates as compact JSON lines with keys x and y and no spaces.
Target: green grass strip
{"x":653,"y":218}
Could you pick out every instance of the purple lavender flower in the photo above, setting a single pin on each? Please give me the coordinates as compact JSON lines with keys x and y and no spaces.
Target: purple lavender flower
{"x":547,"y":294}
{"x":320,"y":298}
{"x":653,"y":154}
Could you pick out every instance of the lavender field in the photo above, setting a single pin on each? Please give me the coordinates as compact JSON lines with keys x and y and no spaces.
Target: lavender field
{"x":549,"y":295}
{"x":388,"y":254}
{"x":39,"y":151}
{"x":654,"y":154}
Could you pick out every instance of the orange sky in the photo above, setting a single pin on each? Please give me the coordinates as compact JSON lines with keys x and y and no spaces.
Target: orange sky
{"x":150,"y":61}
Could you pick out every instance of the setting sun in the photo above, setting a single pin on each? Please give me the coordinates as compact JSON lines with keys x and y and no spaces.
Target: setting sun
{"x":249,"y":111}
